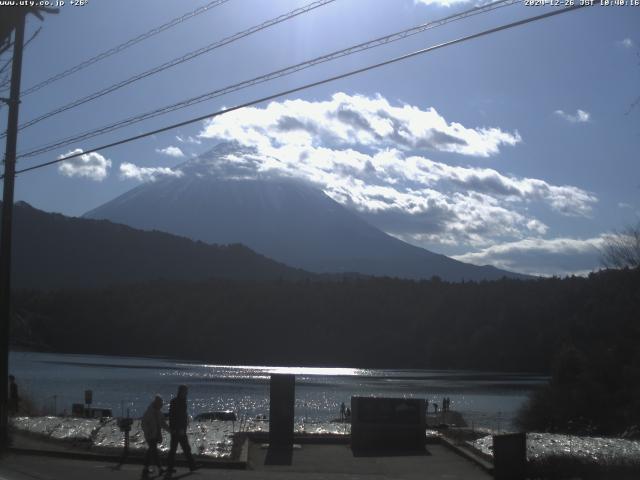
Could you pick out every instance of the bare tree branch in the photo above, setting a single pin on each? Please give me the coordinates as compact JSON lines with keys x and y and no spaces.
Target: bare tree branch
{"x":622,"y":249}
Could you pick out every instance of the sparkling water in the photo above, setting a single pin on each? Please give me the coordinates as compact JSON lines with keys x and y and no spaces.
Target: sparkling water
{"x":127,"y":384}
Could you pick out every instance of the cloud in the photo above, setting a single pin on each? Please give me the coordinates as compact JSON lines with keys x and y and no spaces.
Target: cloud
{"x":171,"y":151}
{"x":626,"y":43}
{"x":146,"y":174}
{"x":90,"y":165}
{"x":539,"y":256}
{"x":579,"y":117}
{"x":398,"y":189}
{"x":456,"y":219}
{"x":355,"y":121}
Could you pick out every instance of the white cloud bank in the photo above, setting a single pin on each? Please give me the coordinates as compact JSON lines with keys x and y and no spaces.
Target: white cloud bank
{"x":362,"y":152}
{"x":171,"y":151}
{"x":146,"y":174}
{"x":579,"y":117}
{"x":539,"y":256}
{"x":90,"y":165}
{"x":345,"y":121}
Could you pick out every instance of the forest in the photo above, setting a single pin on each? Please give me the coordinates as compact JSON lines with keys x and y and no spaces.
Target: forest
{"x":516,"y":325}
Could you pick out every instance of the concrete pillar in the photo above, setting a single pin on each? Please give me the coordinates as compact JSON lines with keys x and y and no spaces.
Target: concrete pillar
{"x":281,"y":410}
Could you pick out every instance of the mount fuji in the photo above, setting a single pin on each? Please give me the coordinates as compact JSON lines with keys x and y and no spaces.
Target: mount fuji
{"x":285,"y":219}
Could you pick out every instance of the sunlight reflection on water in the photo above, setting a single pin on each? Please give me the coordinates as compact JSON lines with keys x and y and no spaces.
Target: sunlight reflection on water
{"x":266,"y":371}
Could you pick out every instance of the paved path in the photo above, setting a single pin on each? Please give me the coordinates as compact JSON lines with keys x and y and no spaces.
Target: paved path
{"x":311,"y":462}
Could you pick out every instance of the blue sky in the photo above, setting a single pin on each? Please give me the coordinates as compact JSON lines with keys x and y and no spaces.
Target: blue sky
{"x":517,"y":149}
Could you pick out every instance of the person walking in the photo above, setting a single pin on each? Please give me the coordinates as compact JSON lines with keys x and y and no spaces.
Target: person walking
{"x":153,"y":423}
{"x":178,"y":421}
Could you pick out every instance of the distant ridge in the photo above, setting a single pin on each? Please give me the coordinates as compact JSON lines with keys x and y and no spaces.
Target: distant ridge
{"x":288,"y":220}
{"x":53,"y":251}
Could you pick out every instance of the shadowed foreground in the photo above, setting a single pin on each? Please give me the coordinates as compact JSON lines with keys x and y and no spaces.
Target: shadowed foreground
{"x":309,"y":462}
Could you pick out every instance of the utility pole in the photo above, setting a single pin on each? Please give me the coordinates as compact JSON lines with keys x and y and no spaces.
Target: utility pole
{"x":13,"y":20}
{"x":7,"y":220}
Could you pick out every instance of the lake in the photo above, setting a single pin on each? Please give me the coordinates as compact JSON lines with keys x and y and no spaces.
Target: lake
{"x":55,"y":381}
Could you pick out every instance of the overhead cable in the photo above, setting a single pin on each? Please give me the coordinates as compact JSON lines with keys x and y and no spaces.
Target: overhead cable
{"x":123,"y":46}
{"x":377,"y":42}
{"x":177,"y":61}
{"x":307,"y":86}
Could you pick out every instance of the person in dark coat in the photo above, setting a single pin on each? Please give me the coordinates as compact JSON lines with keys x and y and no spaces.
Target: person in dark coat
{"x":14,"y":398}
{"x":153,"y":423}
{"x":178,"y":422}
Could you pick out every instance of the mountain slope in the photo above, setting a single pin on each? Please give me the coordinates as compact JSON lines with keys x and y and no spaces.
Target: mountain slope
{"x":287,"y":220}
{"x":55,"y":251}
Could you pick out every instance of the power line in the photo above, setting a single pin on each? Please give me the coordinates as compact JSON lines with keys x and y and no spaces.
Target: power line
{"x":176,"y":61}
{"x":308,"y":85}
{"x":123,"y":46}
{"x":270,"y":76}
